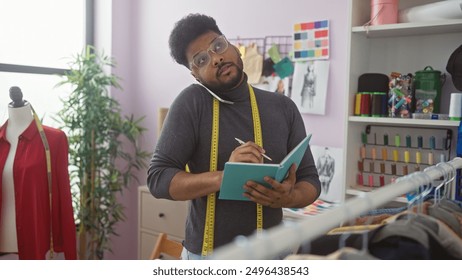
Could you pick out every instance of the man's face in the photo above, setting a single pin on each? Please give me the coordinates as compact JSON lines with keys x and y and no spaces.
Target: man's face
{"x":222,"y":71}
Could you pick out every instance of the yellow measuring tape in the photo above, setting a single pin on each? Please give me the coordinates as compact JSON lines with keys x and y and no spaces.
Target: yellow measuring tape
{"x":207,"y":245}
{"x":48,"y":160}
{"x":259,"y":141}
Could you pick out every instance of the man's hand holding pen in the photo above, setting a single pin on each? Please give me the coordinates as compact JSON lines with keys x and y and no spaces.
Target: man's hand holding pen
{"x":248,"y":152}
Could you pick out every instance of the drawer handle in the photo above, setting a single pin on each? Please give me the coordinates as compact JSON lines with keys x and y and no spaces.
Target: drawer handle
{"x":161,"y":215}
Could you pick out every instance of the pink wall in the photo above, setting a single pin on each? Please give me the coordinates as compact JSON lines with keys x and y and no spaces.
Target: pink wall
{"x":151,"y":79}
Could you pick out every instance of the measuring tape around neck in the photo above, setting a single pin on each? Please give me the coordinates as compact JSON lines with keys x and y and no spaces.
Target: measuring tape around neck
{"x":207,"y":245}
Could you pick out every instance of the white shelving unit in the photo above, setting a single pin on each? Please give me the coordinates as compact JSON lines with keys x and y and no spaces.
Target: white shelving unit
{"x":401,"y":47}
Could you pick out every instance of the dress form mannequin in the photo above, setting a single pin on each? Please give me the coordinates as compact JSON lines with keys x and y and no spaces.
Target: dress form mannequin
{"x":20,"y":117}
{"x":36,"y":213}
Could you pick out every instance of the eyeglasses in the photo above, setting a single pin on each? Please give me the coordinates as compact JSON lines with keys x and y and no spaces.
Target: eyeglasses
{"x":218,"y":46}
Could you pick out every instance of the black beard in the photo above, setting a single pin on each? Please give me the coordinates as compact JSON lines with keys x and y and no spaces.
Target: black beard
{"x":230,"y":85}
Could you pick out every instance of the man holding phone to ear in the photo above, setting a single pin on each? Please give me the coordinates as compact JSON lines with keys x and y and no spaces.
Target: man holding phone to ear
{"x":200,"y":131}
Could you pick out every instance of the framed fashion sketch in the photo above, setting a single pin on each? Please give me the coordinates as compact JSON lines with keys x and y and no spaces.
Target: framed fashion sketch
{"x":309,"y":86}
{"x":328,"y":162}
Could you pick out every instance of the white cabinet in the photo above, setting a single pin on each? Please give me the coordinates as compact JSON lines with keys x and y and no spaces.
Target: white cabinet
{"x":158,"y":216}
{"x":401,"y":47}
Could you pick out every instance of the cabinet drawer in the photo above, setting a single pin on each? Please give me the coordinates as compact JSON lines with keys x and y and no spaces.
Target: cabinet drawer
{"x":161,"y":215}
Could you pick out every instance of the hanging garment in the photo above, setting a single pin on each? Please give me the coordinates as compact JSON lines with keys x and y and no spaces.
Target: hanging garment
{"x":32,"y":195}
{"x":398,"y":239}
{"x":253,"y":63}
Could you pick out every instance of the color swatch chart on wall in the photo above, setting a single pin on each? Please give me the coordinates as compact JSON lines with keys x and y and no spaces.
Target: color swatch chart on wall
{"x":311,"y":40}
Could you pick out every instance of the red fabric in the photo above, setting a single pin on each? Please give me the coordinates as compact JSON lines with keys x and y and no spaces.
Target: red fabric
{"x":32,"y":196}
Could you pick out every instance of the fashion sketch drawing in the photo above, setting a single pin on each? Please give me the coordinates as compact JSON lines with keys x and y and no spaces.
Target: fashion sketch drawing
{"x":309,"y":86}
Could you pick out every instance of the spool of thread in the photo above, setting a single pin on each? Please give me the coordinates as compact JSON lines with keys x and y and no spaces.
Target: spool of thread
{"x":359,"y":179}
{"x":382,"y":168}
{"x":393,"y":169}
{"x":364,"y":138}
{"x":419,"y":142}
{"x":405,"y":170}
{"x":382,"y":180}
{"x":408,"y":141}
{"x":406,"y":156}
{"x":357,"y":111}
{"x":455,"y":107}
{"x":432,"y":142}
{"x":360,"y":166}
{"x":365,"y":104}
{"x":371,"y":181}
{"x":384,"y":12}
{"x":371,"y":167}
{"x":378,"y":101}
{"x":442,"y":158}
{"x":363,"y":152}
{"x":384,"y":154}
{"x":384,"y":104}
{"x":385,"y":139}
{"x":418,"y":157}
{"x":430,"y":158}
{"x":395,"y":155}
{"x":397,"y":140}
{"x":400,"y":103}
{"x":374,"y":153}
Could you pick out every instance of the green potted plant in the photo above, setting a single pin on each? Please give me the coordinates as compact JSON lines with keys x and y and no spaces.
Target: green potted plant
{"x":103,"y":150}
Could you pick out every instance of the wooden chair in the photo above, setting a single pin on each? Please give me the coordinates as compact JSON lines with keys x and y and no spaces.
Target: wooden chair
{"x":167,"y":247}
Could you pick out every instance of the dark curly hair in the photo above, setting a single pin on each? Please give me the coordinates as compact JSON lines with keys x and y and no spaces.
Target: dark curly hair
{"x":187,"y":30}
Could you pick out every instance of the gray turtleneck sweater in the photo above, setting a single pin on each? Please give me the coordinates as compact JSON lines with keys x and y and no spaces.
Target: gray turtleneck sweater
{"x":186,"y":139}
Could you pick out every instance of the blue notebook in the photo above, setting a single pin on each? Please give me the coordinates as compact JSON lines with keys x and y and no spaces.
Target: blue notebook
{"x":236,"y":174}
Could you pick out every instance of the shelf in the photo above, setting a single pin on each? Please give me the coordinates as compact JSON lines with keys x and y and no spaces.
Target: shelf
{"x":404,"y":122}
{"x":409,"y":29}
{"x":402,"y":47}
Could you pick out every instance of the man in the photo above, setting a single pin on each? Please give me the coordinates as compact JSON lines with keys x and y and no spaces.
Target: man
{"x":194,"y":126}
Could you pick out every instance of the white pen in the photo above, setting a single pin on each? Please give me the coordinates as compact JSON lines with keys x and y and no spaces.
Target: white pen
{"x":242,"y":143}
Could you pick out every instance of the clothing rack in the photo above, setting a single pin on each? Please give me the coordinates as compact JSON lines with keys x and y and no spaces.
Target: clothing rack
{"x":274,"y":241}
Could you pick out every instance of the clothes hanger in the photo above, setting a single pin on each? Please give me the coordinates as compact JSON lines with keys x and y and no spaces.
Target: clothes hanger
{"x":363,"y":229}
{"x":451,"y":175}
{"x":445,"y":175}
{"x":424,"y":188}
{"x":434,"y":209}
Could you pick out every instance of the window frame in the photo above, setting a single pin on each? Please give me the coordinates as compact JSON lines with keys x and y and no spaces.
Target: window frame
{"x":89,"y":40}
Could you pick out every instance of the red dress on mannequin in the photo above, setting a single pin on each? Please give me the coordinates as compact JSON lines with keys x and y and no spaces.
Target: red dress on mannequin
{"x":32,"y":195}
